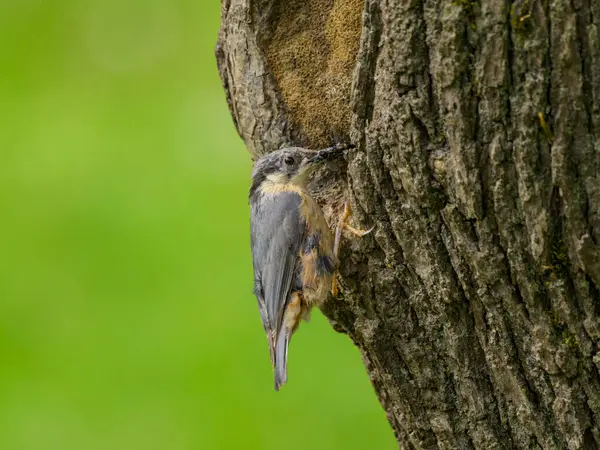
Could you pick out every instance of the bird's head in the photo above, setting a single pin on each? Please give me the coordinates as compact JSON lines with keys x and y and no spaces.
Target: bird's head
{"x":293,"y":165}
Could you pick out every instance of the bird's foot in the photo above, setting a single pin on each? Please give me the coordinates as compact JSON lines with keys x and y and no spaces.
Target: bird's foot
{"x":294,"y":312}
{"x":344,"y":225}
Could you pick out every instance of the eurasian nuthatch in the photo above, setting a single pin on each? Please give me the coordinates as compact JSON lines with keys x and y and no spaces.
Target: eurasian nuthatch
{"x":293,"y":251}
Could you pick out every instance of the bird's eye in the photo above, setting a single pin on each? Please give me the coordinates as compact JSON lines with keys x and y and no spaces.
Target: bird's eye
{"x":288,"y":160}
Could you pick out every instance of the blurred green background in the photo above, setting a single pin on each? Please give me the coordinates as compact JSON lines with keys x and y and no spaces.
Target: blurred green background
{"x":126,"y":314}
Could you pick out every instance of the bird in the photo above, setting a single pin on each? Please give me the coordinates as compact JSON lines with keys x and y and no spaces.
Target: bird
{"x":294,"y":253}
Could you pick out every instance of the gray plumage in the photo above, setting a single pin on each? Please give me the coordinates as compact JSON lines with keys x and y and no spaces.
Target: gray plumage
{"x":276,"y":232}
{"x":276,"y":235}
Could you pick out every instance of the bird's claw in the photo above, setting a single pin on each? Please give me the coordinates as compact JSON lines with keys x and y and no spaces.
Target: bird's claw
{"x":343,"y":224}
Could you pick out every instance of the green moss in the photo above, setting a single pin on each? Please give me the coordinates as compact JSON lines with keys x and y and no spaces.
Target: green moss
{"x":439,"y":139}
{"x":514,"y":16}
{"x":521,"y":21}
{"x":571,"y":341}
{"x":559,"y":262}
{"x":558,"y":325}
{"x":559,"y":258}
{"x":566,"y":337}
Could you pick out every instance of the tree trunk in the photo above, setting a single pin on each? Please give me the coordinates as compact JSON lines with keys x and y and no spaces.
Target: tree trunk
{"x":475,"y":302}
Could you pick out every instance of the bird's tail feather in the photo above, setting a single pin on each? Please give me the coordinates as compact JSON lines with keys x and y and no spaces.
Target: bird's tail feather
{"x":281,"y":350}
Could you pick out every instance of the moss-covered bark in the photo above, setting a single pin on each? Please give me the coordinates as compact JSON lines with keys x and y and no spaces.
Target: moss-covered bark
{"x":476,"y":301}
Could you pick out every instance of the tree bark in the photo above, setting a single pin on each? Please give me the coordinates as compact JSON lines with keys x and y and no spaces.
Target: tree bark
{"x":475,"y":302}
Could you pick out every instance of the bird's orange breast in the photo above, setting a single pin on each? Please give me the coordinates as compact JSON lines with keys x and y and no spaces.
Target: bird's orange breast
{"x":318,"y":262}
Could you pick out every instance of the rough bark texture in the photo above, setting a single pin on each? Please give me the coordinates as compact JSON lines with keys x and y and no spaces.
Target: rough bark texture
{"x":475,"y":302}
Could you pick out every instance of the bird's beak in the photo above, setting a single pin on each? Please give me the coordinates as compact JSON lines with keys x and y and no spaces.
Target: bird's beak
{"x":331,"y":153}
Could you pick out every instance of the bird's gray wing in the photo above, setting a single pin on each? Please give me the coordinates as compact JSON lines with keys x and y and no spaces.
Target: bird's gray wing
{"x":277,"y":231}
